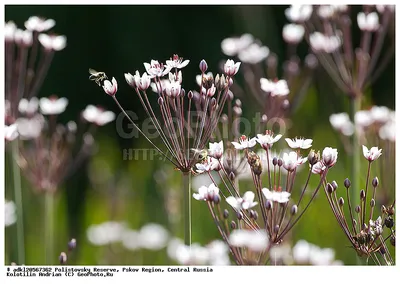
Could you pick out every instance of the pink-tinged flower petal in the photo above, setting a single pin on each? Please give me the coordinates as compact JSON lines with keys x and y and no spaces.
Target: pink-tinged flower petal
{"x":372,"y":154}
{"x":329,"y":156}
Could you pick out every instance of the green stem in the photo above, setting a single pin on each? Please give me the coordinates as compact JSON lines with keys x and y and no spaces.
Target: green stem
{"x":187,"y":210}
{"x":18,"y":203}
{"x":355,"y":105}
{"x":49,"y":226}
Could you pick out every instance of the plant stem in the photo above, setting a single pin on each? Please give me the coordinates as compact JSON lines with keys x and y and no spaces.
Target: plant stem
{"x":187,"y":210}
{"x":355,"y":105}
{"x":18,"y":203}
{"x":49,"y":226}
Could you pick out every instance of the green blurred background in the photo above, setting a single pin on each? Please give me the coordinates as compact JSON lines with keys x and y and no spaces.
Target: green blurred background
{"x":118,"y":39}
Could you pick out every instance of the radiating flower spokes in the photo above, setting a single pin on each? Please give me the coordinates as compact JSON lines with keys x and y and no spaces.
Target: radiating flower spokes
{"x":245,"y":202}
{"x":176,"y":62}
{"x":266,"y":141}
{"x":372,"y":154}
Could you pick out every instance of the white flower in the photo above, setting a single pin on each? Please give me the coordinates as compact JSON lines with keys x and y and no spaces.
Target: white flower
{"x":388,"y":131}
{"x":188,"y":255}
{"x":245,"y":202}
{"x":11,"y":132}
{"x":266,"y":141}
{"x":363,"y":118}
{"x":231,"y":68}
{"x":254,"y":240}
{"x":322,"y":43}
{"x":277,"y":196}
{"x":329,"y":156}
{"x":293,"y":33}
{"x":53,"y":105}
{"x":244,"y":143}
{"x":173,"y":89}
{"x":291,"y":161}
{"x":342,"y":123}
{"x":155,"y":87}
{"x":216,"y":149}
{"x":372,"y":154}
{"x":381,"y":8}
{"x":110,"y":88}
{"x":298,"y":13}
{"x":23,"y":37}
{"x":207,"y":193}
{"x":9,"y":31}
{"x":368,"y":22}
{"x":319,"y":256}
{"x":153,"y":236}
{"x":37,"y":24}
{"x":218,"y":253}
{"x":210,"y":165}
{"x":253,"y":54}
{"x":279,"y":88}
{"x":380,"y":114}
{"x":175,"y":77}
{"x":318,"y":168}
{"x":30,"y":128}
{"x":176,"y":62}
{"x":281,"y":254}
{"x":105,"y":233}
{"x":142,"y":82}
{"x":28,"y":107}
{"x":299,"y":143}
{"x":326,"y":11}
{"x":155,"y":69}
{"x":232,"y":46}
{"x":131,"y":240}
{"x":53,"y":42}
{"x":97,"y":115}
{"x":10,"y":213}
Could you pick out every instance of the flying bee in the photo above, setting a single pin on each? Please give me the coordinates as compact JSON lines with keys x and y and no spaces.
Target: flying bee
{"x":200,"y":155}
{"x":98,"y":77}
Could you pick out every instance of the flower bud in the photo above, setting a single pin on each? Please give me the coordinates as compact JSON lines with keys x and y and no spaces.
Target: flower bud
{"x":382,"y":250}
{"x":190,"y":95}
{"x":276,"y":229}
{"x":329,"y":188}
{"x":372,"y":203}
{"x":221,"y":85}
{"x":280,"y":162}
{"x":393,"y":240}
{"x":255,"y":215}
{"x":183,"y":92}
{"x":63,"y":258}
{"x":72,"y":244}
{"x":233,"y":225}
{"x":375,"y":182}
{"x":232,"y":176}
{"x":313,"y":157}
{"x":389,"y":222}
{"x":230,"y":82}
{"x":275,"y":161}
{"x":334,"y":185}
{"x":358,"y":209}
{"x":230,"y":95}
{"x":341,"y":201}
{"x":239,"y":215}
{"x":264,"y":118}
{"x":347,"y":183}
{"x":203,"y":66}
{"x":216,"y":199}
{"x":238,"y":103}
{"x":293,"y":210}
{"x":268,"y":204}
{"x":226,"y":214}
{"x":160,"y":101}
{"x":362,"y":194}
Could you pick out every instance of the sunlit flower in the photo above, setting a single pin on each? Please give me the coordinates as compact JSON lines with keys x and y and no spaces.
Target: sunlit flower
{"x":253,"y":54}
{"x":329,"y":156}
{"x":110,"y":88}
{"x":105,"y":233}
{"x":28,"y":107}
{"x":97,"y":115}
{"x":231,"y":68}
{"x":298,"y":13}
{"x":218,"y":253}
{"x":245,"y":202}
{"x":23,"y":37}
{"x":176,"y":62}
{"x":380,"y":114}
{"x":142,"y":82}
{"x":189,"y":255}
{"x":11,"y":132}
{"x":199,"y":77}
{"x":297,"y":143}
{"x":232,"y":46}
{"x":320,"y":42}
{"x":363,"y":118}
{"x":372,"y":154}
{"x":278,"y":88}
{"x":173,"y":89}
{"x":277,"y":196}
{"x":253,"y":240}
{"x":326,"y":11}
{"x":216,"y":149}
{"x":9,"y":31}
{"x":388,"y":131}
{"x":318,"y":168}
{"x":368,"y":22}
{"x":53,"y":105}
{"x":38,"y":24}
{"x":53,"y":42}
{"x":130,"y":239}
{"x":156,"y":69}
{"x":291,"y":161}
{"x":293,"y":33}
{"x":30,"y":128}
{"x":207,"y":193}
{"x":342,"y":123}
{"x":266,"y":141}
{"x":153,"y":236}
{"x":244,"y":143}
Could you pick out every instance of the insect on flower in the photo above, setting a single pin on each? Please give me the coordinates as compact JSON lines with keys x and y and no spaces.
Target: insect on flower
{"x":98,"y":77}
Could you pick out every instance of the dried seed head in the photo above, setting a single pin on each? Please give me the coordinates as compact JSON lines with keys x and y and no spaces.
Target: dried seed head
{"x":362,"y":194}
{"x":255,"y":163}
{"x":375,"y":182}
{"x":293,"y":210}
{"x":313,"y":157}
{"x":233,"y":225}
{"x":208,"y":81}
{"x":372,"y":203}
{"x":347,"y":183}
{"x":389,"y":222}
{"x":341,"y":201}
{"x":226,"y":213}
